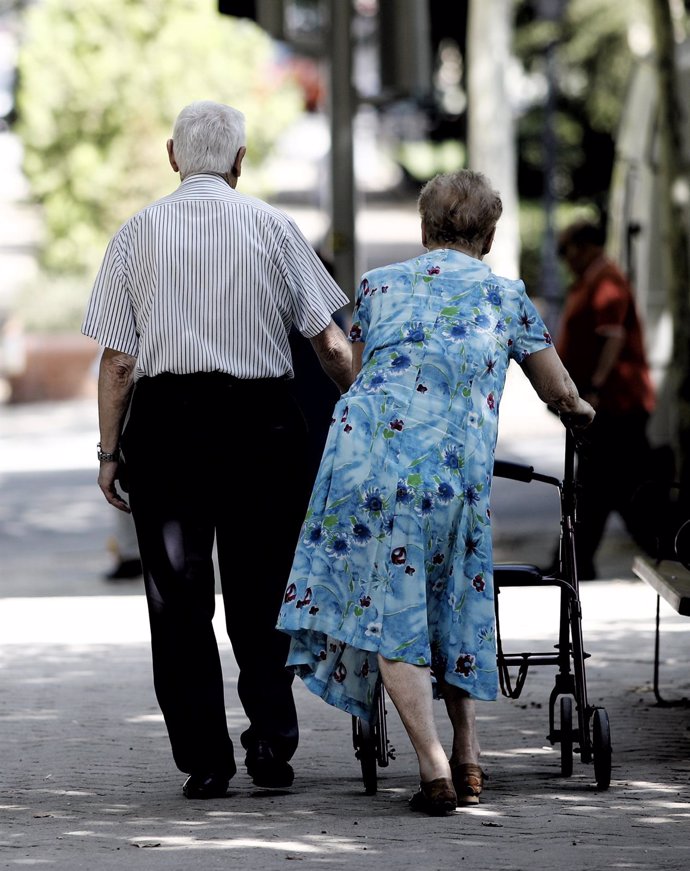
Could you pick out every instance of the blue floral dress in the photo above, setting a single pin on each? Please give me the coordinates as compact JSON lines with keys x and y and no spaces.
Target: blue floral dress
{"x":395,"y":553}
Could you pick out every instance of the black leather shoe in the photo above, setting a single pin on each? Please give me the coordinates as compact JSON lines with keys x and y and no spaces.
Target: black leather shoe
{"x":266,"y":770}
{"x":206,"y":785}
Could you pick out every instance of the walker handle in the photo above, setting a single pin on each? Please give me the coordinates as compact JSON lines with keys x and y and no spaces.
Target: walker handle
{"x":514,"y":471}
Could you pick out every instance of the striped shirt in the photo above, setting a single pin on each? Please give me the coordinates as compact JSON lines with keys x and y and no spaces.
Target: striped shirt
{"x":209,"y":280}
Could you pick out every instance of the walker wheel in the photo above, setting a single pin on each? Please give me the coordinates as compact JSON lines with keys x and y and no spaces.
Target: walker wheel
{"x":601,"y":748}
{"x":364,"y":739}
{"x":566,"y":734}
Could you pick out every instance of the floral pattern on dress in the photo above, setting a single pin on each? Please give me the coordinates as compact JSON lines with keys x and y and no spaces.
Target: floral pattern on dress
{"x":395,"y":553}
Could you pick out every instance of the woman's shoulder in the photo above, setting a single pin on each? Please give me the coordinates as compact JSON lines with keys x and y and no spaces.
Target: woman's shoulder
{"x":515,"y":286}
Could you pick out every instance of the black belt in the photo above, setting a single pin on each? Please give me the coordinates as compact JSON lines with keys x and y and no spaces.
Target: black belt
{"x":210,"y":378}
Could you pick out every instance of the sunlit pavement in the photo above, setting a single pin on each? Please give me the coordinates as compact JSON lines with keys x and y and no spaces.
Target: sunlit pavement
{"x":87,"y":778}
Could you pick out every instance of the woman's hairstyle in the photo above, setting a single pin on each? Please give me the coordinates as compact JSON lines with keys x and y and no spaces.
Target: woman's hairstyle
{"x":459,"y":207}
{"x":207,"y":137}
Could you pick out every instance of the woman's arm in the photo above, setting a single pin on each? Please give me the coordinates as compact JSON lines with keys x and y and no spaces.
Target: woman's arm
{"x":357,"y":352}
{"x":556,"y":388}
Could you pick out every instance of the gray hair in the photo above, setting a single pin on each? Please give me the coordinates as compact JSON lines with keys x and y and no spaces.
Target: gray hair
{"x":207,"y":137}
{"x":459,"y":207}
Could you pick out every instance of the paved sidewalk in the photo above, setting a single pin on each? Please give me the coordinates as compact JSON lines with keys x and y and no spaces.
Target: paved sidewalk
{"x":86,"y":776}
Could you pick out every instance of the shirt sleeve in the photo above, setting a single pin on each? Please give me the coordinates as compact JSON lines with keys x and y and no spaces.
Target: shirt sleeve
{"x":109,"y":317}
{"x":530,"y":332}
{"x":315,"y":295}
{"x":360,"y":313}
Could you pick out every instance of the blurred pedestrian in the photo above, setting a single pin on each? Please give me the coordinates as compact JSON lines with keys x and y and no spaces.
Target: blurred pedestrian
{"x":602,"y":346}
{"x":393,"y":573}
{"x":193,"y":304}
{"x":125,"y":549}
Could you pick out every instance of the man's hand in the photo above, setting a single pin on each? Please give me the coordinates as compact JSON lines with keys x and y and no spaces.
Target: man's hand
{"x":106,"y":481}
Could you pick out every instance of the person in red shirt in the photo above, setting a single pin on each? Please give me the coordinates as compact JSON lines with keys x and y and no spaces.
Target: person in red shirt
{"x":601,"y":344}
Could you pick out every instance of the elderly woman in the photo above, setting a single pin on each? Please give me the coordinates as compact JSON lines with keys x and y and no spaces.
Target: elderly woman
{"x":393,"y":570}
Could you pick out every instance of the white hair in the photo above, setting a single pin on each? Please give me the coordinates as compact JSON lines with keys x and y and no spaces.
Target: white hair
{"x":207,"y":137}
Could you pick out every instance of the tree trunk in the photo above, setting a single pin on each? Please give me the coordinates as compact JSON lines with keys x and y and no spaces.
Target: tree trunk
{"x":491,"y":128}
{"x":675,"y":182}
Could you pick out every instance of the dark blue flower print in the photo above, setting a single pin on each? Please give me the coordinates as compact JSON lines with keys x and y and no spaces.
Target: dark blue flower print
{"x":494,"y":296}
{"x":482,"y":321}
{"x":314,"y":534}
{"x":361,"y":533}
{"x":373,"y":501}
{"x":490,"y":365}
{"x":471,"y":494}
{"x":459,"y":332}
{"x":426,"y":503}
{"x":500,"y":327}
{"x":471,"y":544}
{"x":339,"y":546}
{"x":445,"y":492}
{"x":452,"y":459}
{"x":404,"y":493}
{"x":401,"y":363}
{"x":415,"y":334}
{"x":525,"y":320}
{"x":355,"y":333}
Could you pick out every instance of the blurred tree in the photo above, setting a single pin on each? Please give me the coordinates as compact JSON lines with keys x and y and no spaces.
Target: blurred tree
{"x":100,"y":84}
{"x":490,"y":129}
{"x":593,"y":67}
{"x":671,"y":28}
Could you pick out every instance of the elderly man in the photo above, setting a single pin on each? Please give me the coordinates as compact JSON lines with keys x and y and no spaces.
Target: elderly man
{"x":193,"y":304}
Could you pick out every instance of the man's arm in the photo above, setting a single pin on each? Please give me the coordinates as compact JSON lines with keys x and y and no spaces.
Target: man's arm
{"x":556,"y":388}
{"x":335,"y":355}
{"x":115,"y":382}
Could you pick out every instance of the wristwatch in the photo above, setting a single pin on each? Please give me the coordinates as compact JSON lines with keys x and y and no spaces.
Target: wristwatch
{"x":107,"y":456}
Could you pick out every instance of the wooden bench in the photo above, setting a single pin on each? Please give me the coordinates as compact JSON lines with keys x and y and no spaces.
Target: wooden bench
{"x":671,"y":580}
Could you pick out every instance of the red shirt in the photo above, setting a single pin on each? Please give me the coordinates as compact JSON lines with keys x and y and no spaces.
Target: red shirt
{"x":602,"y":298}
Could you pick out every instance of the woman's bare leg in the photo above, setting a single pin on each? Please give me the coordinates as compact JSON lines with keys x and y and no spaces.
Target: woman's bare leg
{"x":409,"y":687}
{"x":461,"y":712}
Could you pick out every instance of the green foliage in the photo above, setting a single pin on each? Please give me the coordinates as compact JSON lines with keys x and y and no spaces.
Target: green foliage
{"x":100,"y":86}
{"x":424,"y":159}
{"x":532,"y":231}
{"x":593,"y":61}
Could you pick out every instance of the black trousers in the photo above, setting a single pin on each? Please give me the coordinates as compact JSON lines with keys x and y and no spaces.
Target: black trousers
{"x":613,"y":464}
{"x":208,"y":457}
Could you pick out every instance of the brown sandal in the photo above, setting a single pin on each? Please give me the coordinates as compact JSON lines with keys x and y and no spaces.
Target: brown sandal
{"x":468,"y":780}
{"x":436,"y":798}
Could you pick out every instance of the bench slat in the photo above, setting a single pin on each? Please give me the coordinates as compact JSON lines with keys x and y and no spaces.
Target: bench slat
{"x":669,"y":578}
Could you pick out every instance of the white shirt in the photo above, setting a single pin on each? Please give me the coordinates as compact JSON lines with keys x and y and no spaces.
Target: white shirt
{"x":209,"y":280}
